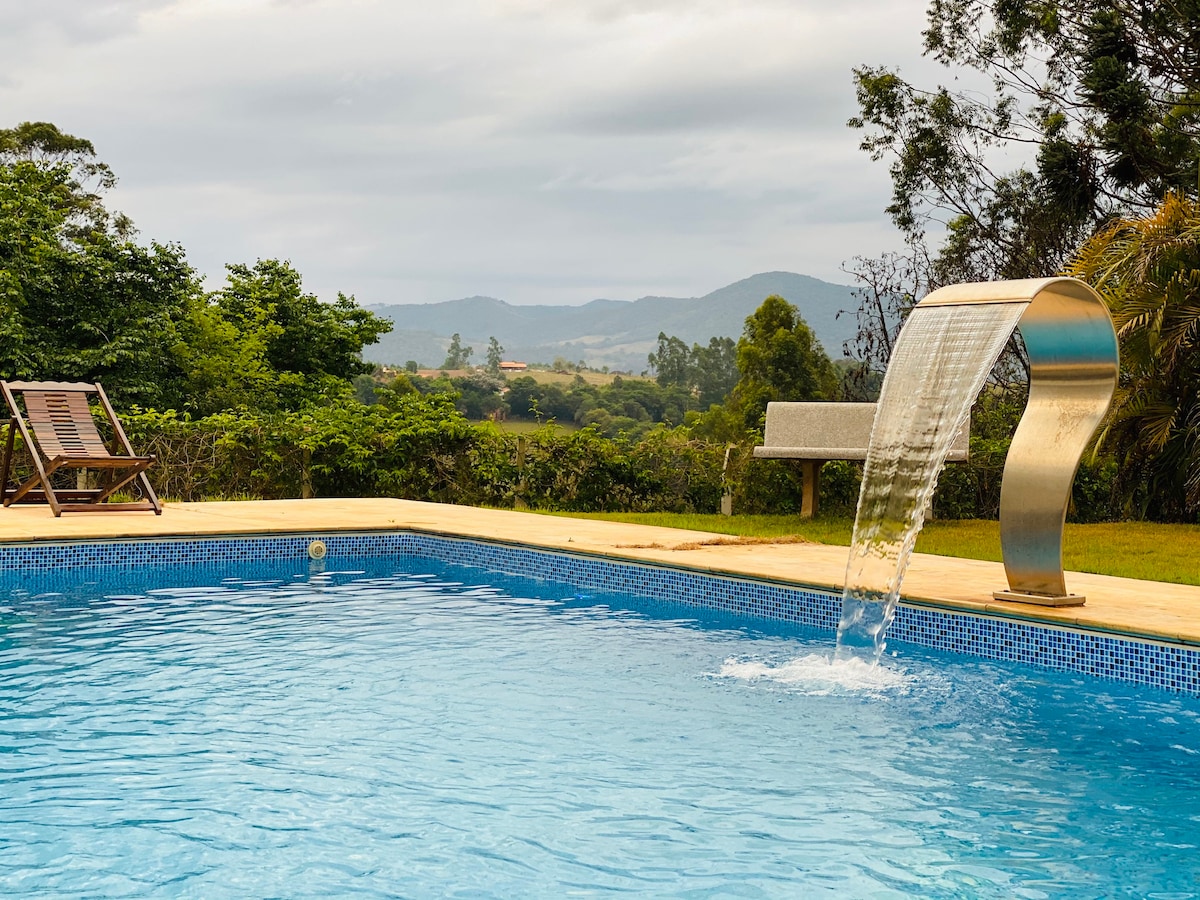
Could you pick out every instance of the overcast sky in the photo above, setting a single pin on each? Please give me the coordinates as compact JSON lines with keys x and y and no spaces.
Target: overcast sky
{"x":539,"y":151}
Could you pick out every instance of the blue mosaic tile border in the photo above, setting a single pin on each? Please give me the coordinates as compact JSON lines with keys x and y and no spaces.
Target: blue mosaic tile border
{"x":1174,"y":667}
{"x":134,"y":554}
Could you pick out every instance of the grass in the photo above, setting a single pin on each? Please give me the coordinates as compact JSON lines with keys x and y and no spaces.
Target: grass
{"x":1145,"y":550}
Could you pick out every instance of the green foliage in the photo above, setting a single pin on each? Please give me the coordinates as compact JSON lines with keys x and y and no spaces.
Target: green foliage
{"x":420,"y":447}
{"x":716,"y":370}
{"x":841,"y":481}
{"x":672,"y":362}
{"x":79,"y":300}
{"x":42,"y":146}
{"x":1148,"y":270}
{"x":627,"y":407}
{"x":1106,"y":93}
{"x":479,"y":395}
{"x":262,"y":343}
{"x":778,"y":358}
{"x":1095,"y":495}
{"x":857,"y":381}
{"x":300,"y":333}
{"x":80,"y":304}
{"x":416,"y":448}
{"x":709,"y":372}
{"x":364,"y":389}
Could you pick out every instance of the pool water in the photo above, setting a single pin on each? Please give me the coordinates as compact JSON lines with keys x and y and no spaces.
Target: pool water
{"x":403,"y":728}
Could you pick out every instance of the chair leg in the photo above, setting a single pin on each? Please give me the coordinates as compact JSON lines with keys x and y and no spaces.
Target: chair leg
{"x":41,"y":475}
{"x":115,"y":485}
{"x":148,"y":493}
{"x":9,"y":446}
{"x":810,"y":473}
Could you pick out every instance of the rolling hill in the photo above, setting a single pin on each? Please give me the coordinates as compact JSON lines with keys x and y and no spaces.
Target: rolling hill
{"x":614,"y":333}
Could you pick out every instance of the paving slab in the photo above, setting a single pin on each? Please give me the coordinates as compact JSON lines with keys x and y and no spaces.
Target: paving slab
{"x":1148,"y":609}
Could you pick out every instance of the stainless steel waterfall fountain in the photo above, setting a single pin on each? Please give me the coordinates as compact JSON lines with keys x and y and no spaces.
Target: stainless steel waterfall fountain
{"x":1073,"y":366}
{"x":939,"y":364}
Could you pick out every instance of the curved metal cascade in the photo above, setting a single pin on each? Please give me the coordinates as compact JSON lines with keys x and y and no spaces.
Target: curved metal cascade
{"x":938,"y":367}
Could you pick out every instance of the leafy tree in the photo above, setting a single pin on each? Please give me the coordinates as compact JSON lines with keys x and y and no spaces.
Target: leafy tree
{"x":302,"y":334}
{"x":479,"y":395}
{"x":78,"y":301}
{"x":709,"y":371}
{"x":495,"y":356}
{"x":527,"y":398}
{"x":223,"y":366}
{"x":83,"y":177}
{"x":1103,"y":94}
{"x":672,"y":363}
{"x":1148,"y":269}
{"x":364,"y":389}
{"x":716,"y":370}
{"x":457,"y":355}
{"x":779,"y":359}
{"x":260,"y":342}
{"x":401,"y":386}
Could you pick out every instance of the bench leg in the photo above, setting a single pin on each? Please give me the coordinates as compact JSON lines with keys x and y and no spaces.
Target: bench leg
{"x":810,"y":471}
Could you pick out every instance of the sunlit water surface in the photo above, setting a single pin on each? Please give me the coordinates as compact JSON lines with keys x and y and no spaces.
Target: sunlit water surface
{"x":407,"y":729}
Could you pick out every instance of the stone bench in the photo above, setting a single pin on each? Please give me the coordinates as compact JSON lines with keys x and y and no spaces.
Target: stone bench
{"x":815,"y":433}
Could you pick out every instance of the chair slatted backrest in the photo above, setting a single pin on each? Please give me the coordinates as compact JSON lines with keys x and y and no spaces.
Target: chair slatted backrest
{"x":63,"y":425}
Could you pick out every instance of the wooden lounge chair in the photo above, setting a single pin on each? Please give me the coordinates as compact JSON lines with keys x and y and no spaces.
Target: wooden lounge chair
{"x":56,"y":425}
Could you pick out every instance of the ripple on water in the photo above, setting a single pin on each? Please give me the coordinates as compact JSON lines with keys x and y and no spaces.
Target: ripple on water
{"x":437,"y":731}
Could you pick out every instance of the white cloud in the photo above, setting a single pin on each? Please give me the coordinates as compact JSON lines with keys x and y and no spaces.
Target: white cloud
{"x":529,"y":149}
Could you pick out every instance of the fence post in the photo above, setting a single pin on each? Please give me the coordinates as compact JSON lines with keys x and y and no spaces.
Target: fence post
{"x":306,"y":488}
{"x":519,"y":497}
{"x":726,"y":487}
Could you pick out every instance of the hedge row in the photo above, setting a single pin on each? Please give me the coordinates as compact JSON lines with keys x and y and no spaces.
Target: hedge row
{"x":422,"y":448}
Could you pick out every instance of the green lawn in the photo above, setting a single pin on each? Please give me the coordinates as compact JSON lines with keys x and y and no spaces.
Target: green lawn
{"x":1128,"y":549}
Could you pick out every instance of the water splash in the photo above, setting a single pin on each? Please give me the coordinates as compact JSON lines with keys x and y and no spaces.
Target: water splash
{"x":938,"y":366}
{"x":819,"y":675}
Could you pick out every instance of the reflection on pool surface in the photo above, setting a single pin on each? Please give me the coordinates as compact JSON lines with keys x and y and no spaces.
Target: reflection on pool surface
{"x":406,"y":728}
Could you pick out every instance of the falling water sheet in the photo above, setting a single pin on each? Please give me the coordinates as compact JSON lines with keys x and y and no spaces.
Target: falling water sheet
{"x":938,"y":367}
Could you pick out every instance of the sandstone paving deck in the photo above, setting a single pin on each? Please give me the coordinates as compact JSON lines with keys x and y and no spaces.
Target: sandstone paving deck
{"x":1156,"y":610}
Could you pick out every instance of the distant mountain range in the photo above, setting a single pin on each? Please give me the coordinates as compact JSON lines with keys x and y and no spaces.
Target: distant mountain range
{"x":619,"y":334}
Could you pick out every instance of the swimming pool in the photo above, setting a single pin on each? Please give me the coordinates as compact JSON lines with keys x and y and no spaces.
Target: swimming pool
{"x":401,"y":726}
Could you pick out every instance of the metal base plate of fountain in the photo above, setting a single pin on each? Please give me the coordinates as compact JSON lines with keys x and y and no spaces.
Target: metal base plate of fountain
{"x":1040,"y":599}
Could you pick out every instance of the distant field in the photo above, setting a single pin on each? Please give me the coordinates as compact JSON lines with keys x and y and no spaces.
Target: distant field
{"x":599,"y":378}
{"x":541,"y":376}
